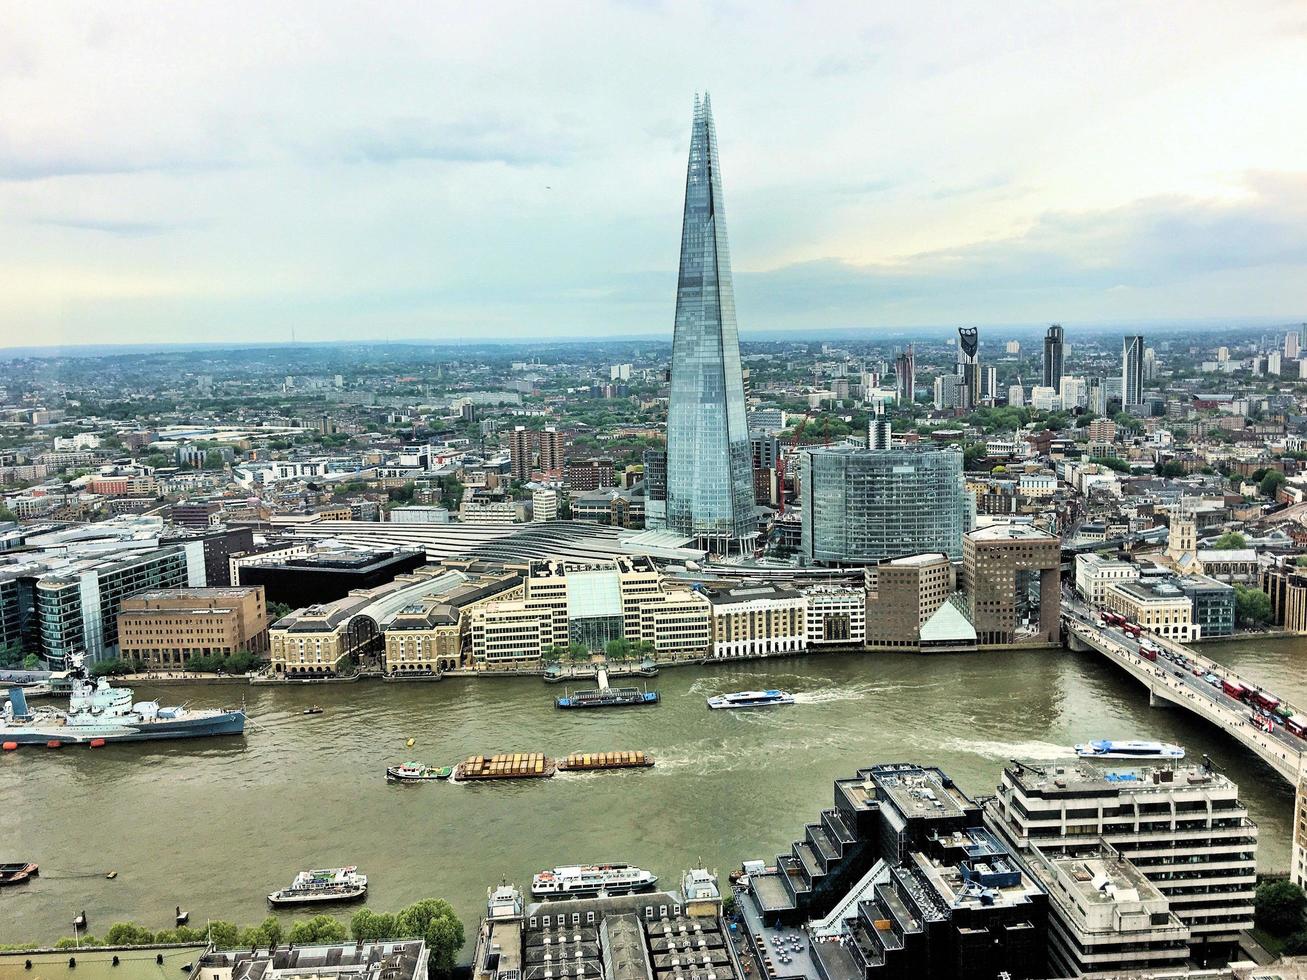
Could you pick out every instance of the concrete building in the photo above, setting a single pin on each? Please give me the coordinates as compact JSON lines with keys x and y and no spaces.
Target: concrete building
{"x":1184,"y":828}
{"x":544,"y":504}
{"x":678,"y":622}
{"x":758,"y":620}
{"x":1011,"y":579}
{"x":1298,"y":856}
{"x":1094,"y":574}
{"x":590,"y":474}
{"x":1132,"y":372}
{"x":397,"y":959}
{"x":1213,"y":605}
{"x":532,"y":449}
{"x":432,"y":634}
{"x":1158,"y":606}
{"x":1287,"y":588}
{"x":167,"y":627}
{"x":1054,"y":356}
{"x":1105,"y":915}
{"x":419,"y":514}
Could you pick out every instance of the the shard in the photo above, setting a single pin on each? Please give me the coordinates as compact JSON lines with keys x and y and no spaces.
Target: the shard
{"x":709,"y":470}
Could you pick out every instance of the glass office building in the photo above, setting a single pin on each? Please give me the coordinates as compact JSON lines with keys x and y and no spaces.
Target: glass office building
{"x":862,"y":506}
{"x":709,"y":479}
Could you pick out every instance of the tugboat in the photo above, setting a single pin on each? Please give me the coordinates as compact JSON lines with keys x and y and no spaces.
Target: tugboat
{"x":415,"y":772}
{"x":17,"y":873}
{"x":322,"y":886}
{"x":750,"y":699}
{"x":592,"y":879}
{"x":98,"y":713}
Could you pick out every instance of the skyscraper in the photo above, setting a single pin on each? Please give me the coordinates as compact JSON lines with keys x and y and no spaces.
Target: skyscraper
{"x":709,"y":480}
{"x":1132,"y":372}
{"x":968,"y":368}
{"x":1053,"y":341}
{"x":905,"y":373}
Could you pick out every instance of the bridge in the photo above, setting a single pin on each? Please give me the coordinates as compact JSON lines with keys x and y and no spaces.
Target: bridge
{"x":1171,"y":680}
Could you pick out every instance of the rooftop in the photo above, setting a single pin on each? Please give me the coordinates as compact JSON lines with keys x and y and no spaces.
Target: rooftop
{"x":397,"y":960}
{"x":137,"y":963}
{"x":1010,"y":532}
{"x":1080,"y":777}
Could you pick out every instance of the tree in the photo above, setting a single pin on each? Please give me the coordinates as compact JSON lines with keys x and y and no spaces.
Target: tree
{"x":31,"y":662}
{"x":1278,"y":907}
{"x":278,"y":610}
{"x":316,"y":931}
{"x":128,"y":934}
{"x":1112,"y":463}
{"x":224,"y":935}
{"x":1270,"y":483}
{"x":578,"y":651}
{"x":1252,"y":606}
{"x":267,"y":933}
{"x":1229,"y":541}
{"x":7,"y":515}
{"x":433,"y":919}
{"x":367,"y":926}
{"x":1170,"y":469}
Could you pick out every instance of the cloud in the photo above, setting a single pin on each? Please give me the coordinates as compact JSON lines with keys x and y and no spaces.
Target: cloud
{"x":462,"y":141}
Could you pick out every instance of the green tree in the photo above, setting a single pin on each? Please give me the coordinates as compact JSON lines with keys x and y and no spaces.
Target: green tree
{"x":31,"y":662}
{"x":7,"y":515}
{"x":1278,"y":907}
{"x":1252,"y":606}
{"x":1112,"y":463}
{"x":434,"y":920}
{"x":278,"y":610}
{"x":1170,"y":469}
{"x":1270,"y":483}
{"x":224,"y":935}
{"x":578,"y":651}
{"x":128,"y":934}
{"x":1229,"y":541}
{"x":367,"y":926}
{"x":316,"y":931}
{"x":267,"y":933}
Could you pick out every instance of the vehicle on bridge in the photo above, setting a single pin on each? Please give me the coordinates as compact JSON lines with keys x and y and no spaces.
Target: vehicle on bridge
{"x":1265,"y":700}
{"x":1148,"y":650}
{"x":1236,"y":689}
{"x":1296,"y":725}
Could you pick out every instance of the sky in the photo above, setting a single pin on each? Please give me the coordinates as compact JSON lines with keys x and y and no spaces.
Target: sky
{"x":443,"y":171}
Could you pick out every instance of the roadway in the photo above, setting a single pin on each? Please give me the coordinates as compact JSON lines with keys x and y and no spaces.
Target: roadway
{"x":1171,"y":678}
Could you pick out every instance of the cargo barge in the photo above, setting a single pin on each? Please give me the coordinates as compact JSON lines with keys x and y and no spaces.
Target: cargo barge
{"x":607,"y":697}
{"x":517,"y":765}
{"x":597,"y":761}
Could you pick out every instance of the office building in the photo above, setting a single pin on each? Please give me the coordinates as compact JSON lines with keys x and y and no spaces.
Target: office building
{"x":837,"y":616}
{"x":879,"y":430}
{"x":709,"y":481}
{"x":862,"y":506}
{"x":218,"y":544}
{"x":544,"y":504}
{"x":1094,"y":573}
{"x":311,"y":579}
{"x":757,"y":621}
{"x":1287,"y":588}
{"x":898,"y":878}
{"x":948,"y":392}
{"x":765,"y":450}
{"x":1132,"y":372}
{"x":1105,"y":915}
{"x":905,"y":375}
{"x":1159,"y":606}
{"x":165,"y":628}
{"x":1182,"y":827}
{"x":76,"y":607}
{"x":1011,"y":578}
{"x":912,"y":606}
{"x":1291,"y":344}
{"x":1016,"y":395}
{"x":655,"y":489}
{"x":1298,"y":854}
{"x":1054,"y":345}
{"x":432,"y":633}
{"x":1213,"y":605}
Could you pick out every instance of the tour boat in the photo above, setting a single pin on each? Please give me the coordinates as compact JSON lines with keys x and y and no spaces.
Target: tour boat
{"x":750,"y":699}
{"x":322,"y":886}
{"x":592,"y":879}
{"x":414,"y":772}
{"x":1106,"y":748}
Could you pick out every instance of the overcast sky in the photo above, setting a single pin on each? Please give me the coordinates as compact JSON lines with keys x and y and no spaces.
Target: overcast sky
{"x":440,"y":170}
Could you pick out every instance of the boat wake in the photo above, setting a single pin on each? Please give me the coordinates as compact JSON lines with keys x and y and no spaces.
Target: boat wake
{"x":850,"y":692}
{"x":1034,"y":751}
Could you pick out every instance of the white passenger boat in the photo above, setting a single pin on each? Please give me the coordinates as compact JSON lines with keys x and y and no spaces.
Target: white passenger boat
{"x":1106,"y":748}
{"x":750,"y":699}
{"x":592,"y":879}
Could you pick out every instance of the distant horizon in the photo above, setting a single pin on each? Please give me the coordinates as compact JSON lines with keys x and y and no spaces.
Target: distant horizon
{"x":1160,"y":327}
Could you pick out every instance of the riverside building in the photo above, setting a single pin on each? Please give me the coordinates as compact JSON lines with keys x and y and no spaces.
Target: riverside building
{"x":862,"y":506}
{"x":1011,"y":578}
{"x":167,"y":627}
{"x":1183,"y":828}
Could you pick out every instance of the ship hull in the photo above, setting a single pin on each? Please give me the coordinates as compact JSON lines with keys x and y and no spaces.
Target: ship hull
{"x":227,"y":723}
{"x":277,"y":901}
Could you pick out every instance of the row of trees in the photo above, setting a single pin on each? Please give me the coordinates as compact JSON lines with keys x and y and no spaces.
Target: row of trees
{"x":618,"y":649}
{"x":431,"y":919}
{"x":240,"y":662}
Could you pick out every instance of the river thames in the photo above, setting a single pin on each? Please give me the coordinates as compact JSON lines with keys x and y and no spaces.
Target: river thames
{"x":215,"y":826}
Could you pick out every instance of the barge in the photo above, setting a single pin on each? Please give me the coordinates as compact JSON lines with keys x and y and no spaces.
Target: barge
{"x":598,"y":761}
{"x":517,"y":765}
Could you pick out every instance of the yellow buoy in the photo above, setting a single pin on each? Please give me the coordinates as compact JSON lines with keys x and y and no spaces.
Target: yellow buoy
{"x":410,"y":742}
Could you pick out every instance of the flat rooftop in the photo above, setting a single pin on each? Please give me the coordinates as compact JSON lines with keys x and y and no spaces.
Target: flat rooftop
{"x":137,"y":963}
{"x":1083,"y":778}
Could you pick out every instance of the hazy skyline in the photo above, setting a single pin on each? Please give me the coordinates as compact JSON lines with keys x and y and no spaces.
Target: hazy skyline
{"x":183,"y":172}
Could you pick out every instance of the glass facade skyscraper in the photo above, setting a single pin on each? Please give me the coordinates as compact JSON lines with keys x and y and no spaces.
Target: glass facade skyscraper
{"x":709,"y":479}
{"x":862,"y":506}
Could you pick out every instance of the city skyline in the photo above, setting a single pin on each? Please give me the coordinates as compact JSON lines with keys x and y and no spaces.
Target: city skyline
{"x":352,"y":178}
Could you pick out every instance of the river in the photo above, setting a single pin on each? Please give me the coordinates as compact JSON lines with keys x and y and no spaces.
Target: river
{"x":214,"y":826}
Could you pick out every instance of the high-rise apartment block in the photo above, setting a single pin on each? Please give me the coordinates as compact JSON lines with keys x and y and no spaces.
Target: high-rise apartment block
{"x":905,"y":375}
{"x":532,"y":449}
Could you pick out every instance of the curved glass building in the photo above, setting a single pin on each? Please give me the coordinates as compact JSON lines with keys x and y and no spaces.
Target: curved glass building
{"x":709,"y":470}
{"x":862,"y":506}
